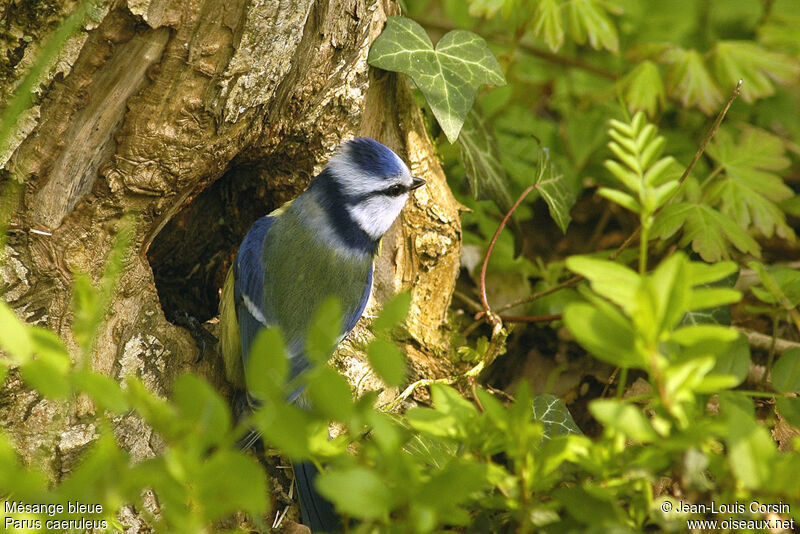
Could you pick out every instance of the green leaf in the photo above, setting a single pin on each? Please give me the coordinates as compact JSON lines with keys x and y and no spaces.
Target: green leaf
{"x":388,"y":361}
{"x":785,"y":375}
{"x":756,"y":66}
{"x":752,"y":453}
{"x":609,"y":279}
{"x":490,"y":8}
{"x":789,"y":408}
{"x":448,"y":76}
{"x":229,"y":481}
{"x":554,"y":416}
{"x":90,"y":304}
{"x":747,"y":206}
{"x":103,"y":390}
{"x":202,"y":409}
{"x":606,"y":334}
{"x":689,"y":81}
{"x":435,"y":423}
{"x":689,"y":335}
{"x":452,"y":485}
{"x":393,"y":313}
{"x":750,"y":193}
{"x":448,"y":401}
{"x":356,"y":492}
{"x":669,"y":287}
{"x":706,"y":229}
{"x":548,"y":25}
{"x":286,"y":427}
{"x":713,"y":297}
{"x":623,"y":418}
{"x":267,"y":365}
{"x":590,"y":505}
{"x":48,"y":375}
{"x":589,"y":18}
{"x":731,"y":366}
{"x":623,"y":199}
{"x":781,"y":285}
{"x":325,"y":330}
{"x":14,"y":336}
{"x":49,"y":371}
{"x":643,"y":89}
{"x":482,"y":165}
{"x":330,"y":393}
{"x":555,"y":190}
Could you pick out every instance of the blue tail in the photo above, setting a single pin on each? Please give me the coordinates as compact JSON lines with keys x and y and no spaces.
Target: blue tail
{"x":317,"y":512}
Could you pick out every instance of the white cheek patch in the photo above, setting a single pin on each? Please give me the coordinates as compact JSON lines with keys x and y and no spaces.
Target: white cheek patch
{"x":376,"y":214}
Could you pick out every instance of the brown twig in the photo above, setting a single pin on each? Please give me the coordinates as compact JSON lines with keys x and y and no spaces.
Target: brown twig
{"x":486,"y":308}
{"x":711,"y":132}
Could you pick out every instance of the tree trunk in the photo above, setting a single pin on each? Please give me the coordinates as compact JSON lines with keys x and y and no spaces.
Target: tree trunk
{"x":196,"y":116}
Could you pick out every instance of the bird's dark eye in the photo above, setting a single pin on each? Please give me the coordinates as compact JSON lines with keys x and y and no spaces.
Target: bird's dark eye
{"x":396,"y":190}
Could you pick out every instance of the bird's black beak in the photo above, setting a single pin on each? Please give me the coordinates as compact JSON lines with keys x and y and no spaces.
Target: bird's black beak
{"x":416,"y":183}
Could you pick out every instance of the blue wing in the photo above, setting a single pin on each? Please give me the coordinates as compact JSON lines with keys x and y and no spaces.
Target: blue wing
{"x":249,"y":299}
{"x":249,"y":284}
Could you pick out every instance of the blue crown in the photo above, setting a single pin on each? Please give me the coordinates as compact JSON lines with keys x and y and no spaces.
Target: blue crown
{"x":373,"y":158}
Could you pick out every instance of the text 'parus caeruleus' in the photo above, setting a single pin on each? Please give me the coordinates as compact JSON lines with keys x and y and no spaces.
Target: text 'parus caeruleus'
{"x":322,"y":244}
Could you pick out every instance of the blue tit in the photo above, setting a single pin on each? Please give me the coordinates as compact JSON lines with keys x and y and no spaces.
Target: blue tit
{"x":319,"y":245}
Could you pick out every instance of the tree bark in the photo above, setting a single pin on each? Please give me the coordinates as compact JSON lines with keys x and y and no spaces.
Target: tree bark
{"x":196,"y":116}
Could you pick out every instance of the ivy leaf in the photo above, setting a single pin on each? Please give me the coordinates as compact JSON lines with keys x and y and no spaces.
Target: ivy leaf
{"x":756,"y":66}
{"x":484,"y":170}
{"x":689,"y":81}
{"x":554,"y":415}
{"x":706,"y":229}
{"x":548,"y":25}
{"x":643,"y":89}
{"x":555,"y":190}
{"x":589,"y":18}
{"x":448,"y":76}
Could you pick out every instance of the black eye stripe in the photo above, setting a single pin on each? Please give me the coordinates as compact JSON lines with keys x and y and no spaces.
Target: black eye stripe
{"x":354,"y":200}
{"x":395,"y":191}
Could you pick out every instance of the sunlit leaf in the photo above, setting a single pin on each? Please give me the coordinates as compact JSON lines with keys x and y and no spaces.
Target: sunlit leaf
{"x":689,"y":81}
{"x":758,"y":67}
{"x":590,"y":19}
{"x":643,"y":89}
{"x":708,"y":231}
{"x":448,"y":76}
{"x":357,"y":492}
{"x":548,"y":23}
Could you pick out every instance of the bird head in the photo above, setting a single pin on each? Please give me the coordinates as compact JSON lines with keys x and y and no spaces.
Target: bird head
{"x":374,"y":183}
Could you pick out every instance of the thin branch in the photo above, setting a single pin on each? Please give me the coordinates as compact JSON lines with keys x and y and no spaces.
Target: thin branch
{"x":711,"y":131}
{"x":486,"y":308}
{"x":530,"y":318}
{"x":757,"y":340}
{"x":473,"y":305}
